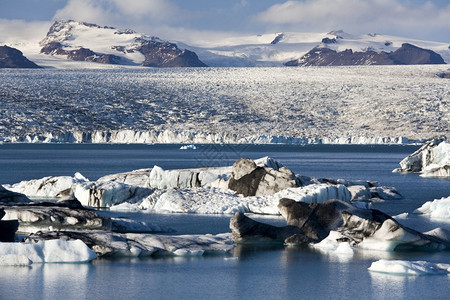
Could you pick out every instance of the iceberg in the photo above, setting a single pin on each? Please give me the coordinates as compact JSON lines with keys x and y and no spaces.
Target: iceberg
{"x":415,"y":268}
{"x":436,"y":209}
{"x":218,"y":201}
{"x":431,"y":160}
{"x":143,"y":245}
{"x":62,"y":216}
{"x":50,"y":251}
{"x":188,"y":147}
{"x":47,"y":187}
{"x":334,"y":222}
{"x":103,"y":194}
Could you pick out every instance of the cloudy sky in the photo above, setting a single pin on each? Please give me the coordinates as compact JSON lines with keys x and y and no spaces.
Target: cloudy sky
{"x":187,"y":20}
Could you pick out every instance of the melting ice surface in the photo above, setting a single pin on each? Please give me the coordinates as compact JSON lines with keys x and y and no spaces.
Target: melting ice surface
{"x":402,"y":267}
{"x":250,"y":271}
{"x":52,"y":251}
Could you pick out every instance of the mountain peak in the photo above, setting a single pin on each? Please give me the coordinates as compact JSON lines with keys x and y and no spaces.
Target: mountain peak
{"x":83,"y":41}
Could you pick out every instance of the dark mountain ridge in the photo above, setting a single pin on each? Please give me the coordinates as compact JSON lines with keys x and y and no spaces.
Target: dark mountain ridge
{"x":407,"y":54}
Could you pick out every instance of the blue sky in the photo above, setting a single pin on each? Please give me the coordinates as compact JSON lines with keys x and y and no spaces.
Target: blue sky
{"x":190,"y":19}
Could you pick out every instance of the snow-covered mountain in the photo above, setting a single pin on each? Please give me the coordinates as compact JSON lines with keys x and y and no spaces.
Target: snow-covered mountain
{"x":82,"y":41}
{"x":278,"y":48}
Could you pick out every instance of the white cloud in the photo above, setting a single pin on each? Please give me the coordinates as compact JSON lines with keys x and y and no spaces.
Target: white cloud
{"x":358,"y":16}
{"x":112,"y":12}
{"x":153,"y":9}
{"x":16,"y":32}
{"x":86,"y":11}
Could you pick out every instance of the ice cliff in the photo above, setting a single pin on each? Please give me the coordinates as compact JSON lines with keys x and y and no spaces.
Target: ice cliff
{"x":431,"y":160}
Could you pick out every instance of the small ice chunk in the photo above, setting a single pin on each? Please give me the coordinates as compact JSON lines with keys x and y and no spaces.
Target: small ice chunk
{"x":188,"y":252}
{"x":436,"y":209}
{"x":403,"y":267}
{"x":188,"y":147}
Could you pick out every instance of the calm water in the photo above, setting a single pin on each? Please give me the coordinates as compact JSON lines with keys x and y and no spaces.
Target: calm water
{"x":250,"y":271}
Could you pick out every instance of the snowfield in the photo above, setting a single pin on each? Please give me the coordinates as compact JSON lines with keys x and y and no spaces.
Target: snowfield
{"x":367,"y":105}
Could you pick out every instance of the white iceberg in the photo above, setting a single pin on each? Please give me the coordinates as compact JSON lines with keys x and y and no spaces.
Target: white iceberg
{"x":403,"y":267}
{"x":188,"y":147}
{"x":218,"y":201}
{"x":331,"y":245}
{"x":51,"y":251}
{"x":436,"y":209}
{"x":47,"y":187}
{"x":431,"y":160}
{"x":138,"y":178}
{"x":108,"y":193}
{"x":106,"y":243}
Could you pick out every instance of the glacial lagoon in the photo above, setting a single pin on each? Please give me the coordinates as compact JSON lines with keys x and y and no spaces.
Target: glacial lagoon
{"x":248,"y":271}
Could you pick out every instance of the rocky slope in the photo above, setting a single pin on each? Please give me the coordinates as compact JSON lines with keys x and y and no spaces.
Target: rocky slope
{"x":82,"y":41}
{"x":407,"y":54}
{"x":13,"y":58}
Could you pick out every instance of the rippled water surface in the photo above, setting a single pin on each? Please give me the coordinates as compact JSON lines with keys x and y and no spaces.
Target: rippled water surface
{"x":248,"y":272}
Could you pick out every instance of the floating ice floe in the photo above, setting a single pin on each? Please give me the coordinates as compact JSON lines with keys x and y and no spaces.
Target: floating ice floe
{"x":50,"y":251}
{"x":138,"y":244}
{"x":333,"y":222}
{"x":331,"y":246}
{"x":63,"y":216}
{"x":188,"y":147}
{"x":403,"y":267}
{"x":47,"y":187}
{"x":431,"y":160}
{"x":436,"y":209}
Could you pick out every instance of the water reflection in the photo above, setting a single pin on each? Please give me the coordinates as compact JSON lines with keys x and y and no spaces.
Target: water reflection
{"x":387,"y":286}
{"x":45,"y":281}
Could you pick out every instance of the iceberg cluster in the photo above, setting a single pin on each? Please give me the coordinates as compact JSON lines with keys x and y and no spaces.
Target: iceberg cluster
{"x":415,"y":268}
{"x":247,"y":186}
{"x":51,"y":251}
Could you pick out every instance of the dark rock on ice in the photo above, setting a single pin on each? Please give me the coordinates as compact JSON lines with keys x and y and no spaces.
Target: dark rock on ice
{"x":159,"y":53}
{"x":245,"y":229}
{"x":133,"y":244}
{"x":8,"y":197}
{"x":81,"y":54}
{"x":57,"y":216}
{"x":8,"y":228}
{"x":312,"y":223}
{"x":250,"y":180}
{"x":277,"y":39}
{"x":13,"y":58}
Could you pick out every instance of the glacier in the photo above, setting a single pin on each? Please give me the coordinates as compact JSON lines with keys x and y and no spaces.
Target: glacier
{"x":330,"y":105}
